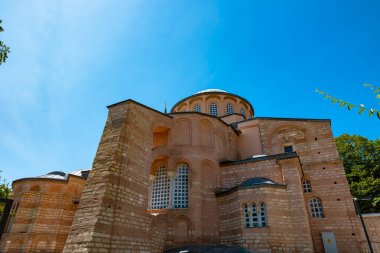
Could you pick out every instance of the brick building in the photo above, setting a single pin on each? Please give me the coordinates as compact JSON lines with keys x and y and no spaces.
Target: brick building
{"x":207,"y":173}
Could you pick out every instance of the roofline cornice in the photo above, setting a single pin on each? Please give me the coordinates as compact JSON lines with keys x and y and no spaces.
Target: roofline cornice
{"x":281,"y":156}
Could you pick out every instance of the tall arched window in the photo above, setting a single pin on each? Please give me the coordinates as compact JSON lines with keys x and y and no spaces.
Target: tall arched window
{"x":316,"y":208}
{"x":242,"y":112}
{"x":247,"y":216}
{"x":214,"y":109}
{"x":229,"y":109}
{"x":256,"y":217}
{"x":197,"y":108}
{"x":262,"y":216}
{"x":181,"y":187}
{"x":306,"y":186}
{"x":160,"y":189}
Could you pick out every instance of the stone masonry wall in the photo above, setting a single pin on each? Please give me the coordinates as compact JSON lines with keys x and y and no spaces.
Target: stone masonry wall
{"x":314,"y":143}
{"x":41,"y":215}
{"x":112,"y":214}
{"x":372,"y":223}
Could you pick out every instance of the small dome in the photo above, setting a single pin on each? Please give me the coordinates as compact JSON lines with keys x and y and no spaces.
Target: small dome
{"x":257,"y":181}
{"x":81,"y":173}
{"x":210,"y":90}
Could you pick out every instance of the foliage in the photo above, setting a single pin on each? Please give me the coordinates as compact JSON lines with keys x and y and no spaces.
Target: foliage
{"x":361,"y":159}
{"x":4,"y":50}
{"x":350,"y":106}
{"x":5,"y":190}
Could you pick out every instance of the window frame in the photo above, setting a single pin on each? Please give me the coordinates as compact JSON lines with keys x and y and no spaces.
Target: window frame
{"x":180,"y":191}
{"x":213,"y":107}
{"x":255,"y":216}
{"x":316,"y":208}
{"x":160,"y":195}
{"x":229,"y":109}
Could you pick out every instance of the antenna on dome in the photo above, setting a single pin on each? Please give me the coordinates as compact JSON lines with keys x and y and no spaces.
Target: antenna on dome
{"x":165,"y":111}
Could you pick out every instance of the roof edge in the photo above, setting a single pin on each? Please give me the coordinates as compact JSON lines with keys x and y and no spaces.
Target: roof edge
{"x":261,"y":158}
{"x":140,"y":104}
{"x":285,"y":119}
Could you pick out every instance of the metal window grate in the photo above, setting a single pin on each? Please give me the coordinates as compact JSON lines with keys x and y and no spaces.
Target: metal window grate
{"x":197,"y":108}
{"x":306,"y":186}
{"x":214,"y":109}
{"x":230,"y":109}
{"x":181,"y":187}
{"x":256,"y":217}
{"x":160,"y":189}
{"x":316,"y":208}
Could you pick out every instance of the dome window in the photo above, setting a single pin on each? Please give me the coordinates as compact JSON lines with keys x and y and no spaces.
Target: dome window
{"x":214,"y":109}
{"x":197,"y":108}
{"x":230,"y":109}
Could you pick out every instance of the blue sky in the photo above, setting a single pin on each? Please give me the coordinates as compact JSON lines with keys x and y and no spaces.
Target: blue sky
{"x":70,"y":59}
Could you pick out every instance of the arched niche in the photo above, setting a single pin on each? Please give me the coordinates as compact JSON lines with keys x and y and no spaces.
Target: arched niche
{"x":182,"y":228}
{"x":160,"y":136}
{"x":206,"y":133}
{"x":54,"y":190}
{"x":35,"y":188}
{"x":209,"y":175}
{"x":288,"y":135}
{"x":161,"y":160}
{"x":183,"y":132}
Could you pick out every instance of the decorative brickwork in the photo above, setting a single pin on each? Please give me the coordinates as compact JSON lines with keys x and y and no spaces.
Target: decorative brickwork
{"x":161,"y":181}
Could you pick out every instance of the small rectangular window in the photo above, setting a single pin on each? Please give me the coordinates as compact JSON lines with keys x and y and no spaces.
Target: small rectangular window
{"x":288,"y":149}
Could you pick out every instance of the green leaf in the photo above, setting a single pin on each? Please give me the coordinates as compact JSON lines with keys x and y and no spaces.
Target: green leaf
{"x":350,"y":106}
{"x":377,"y":91}
{"x":361,"y":110}
{"x":334,"y":100}
{"x":378,"y":96}
{"x":378,"y":114}
{"x":320,"y":92}
{"x":371,"y":112}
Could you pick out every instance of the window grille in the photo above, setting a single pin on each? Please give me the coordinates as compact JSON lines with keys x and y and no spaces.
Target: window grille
{"x":197,"y":108}
{"x":247,"y":216}
{"x":181,"y":187}
{"x":306,"y":186}
{"x":214,"y":109}
{"x":288,"y":149}
{"x":255,"y":221}
{"x":316,"y":208}
{"x":160,"y":189}
{"x":230,"y":109}
{"x":242,"y":112}
{"x":256,"y":217}
{"x":263,"y":216}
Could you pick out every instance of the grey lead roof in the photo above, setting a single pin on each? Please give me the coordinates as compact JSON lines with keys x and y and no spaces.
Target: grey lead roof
{"x":60,"y":175}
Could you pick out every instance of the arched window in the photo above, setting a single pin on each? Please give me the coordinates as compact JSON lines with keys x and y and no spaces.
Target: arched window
{"x":254,"y":222}
{"x":230,"y":109}
{"x":197,"y":108}
{"x":214,"y":109}
{"x":256,"y":217}
{"x":160,"y":189}
{"x":306,"y":186}
{"x":247,"y":216}
{"x":262,"y":216}
{"x":316,"y":208}
{"x":242,"y":112}
{"x":181,"y":187}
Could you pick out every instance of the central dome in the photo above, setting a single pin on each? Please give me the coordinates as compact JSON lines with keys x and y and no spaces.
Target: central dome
{"x":217,"y":103}
{"x":211,"y":90}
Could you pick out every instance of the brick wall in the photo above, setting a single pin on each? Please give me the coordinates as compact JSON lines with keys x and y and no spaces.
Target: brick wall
{"x":41,"y":215}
